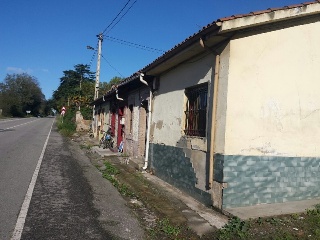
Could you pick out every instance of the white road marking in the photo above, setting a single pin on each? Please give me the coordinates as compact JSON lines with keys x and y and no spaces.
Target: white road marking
{"x":26,"y":203}
{"x":10,"y":120}
{"x":1,"y":130}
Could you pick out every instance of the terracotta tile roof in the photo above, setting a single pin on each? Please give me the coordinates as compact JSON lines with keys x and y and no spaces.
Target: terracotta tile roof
{"x":267,"y":11}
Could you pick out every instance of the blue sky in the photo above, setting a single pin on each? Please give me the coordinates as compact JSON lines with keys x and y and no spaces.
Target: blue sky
{"x":44,"y":38}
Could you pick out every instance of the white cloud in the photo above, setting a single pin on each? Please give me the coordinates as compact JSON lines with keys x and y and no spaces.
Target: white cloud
{"x":19,"y":70}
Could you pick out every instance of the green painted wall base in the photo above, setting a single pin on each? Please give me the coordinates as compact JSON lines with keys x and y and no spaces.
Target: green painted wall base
{"x":267,"y":179}
{"x":171,"y":165}
{"x":251,"y":180}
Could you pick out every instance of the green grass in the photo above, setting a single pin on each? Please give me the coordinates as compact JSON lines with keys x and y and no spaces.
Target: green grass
{"x":235,"y":229}
{"x":109,"y":173}
{"x":164,"y":230}
{"x":289,"y":227}
{"x":66,"y":124}
{"x":86,"y":146}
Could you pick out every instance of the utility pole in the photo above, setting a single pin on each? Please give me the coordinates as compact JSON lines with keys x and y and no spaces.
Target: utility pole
{"x":96,"y":90}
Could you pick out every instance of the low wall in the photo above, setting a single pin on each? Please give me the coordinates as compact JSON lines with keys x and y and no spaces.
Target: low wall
{"x":82,"y":125}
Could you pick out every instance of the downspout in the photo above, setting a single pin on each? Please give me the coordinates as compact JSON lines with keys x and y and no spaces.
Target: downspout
{"x":121,"y":99}
{"x":213,"y":120}
{"x":214,"y":112}
{"x":149,"y":123}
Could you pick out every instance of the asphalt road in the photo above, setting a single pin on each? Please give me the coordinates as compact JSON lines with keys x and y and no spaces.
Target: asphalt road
{"x":21,"y":143}
{"x":69,"y":200}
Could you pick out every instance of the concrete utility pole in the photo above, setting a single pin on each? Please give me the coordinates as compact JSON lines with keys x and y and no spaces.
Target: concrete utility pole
{"x":96,"y":90}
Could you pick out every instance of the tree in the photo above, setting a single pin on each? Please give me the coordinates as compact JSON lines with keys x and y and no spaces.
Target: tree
{"x":20,"y":93}
{"x":105,"y":87}
{"x":76,"y":88}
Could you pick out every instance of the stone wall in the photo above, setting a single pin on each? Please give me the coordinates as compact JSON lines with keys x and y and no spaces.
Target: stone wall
{"x":82,"y":125}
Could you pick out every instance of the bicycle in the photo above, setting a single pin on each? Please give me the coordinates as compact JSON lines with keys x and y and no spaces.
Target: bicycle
{"x":106,"y":140}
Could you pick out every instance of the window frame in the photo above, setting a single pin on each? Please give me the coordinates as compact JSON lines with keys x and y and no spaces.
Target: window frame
{"x":196,"y":110}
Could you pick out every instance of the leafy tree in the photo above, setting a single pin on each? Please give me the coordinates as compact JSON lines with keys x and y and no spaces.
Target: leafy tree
{"x":19,"y":93}
{"x":74,"y":84}
{"x":76,"y":88}
{"x":105,"y":87}
{"x":49,"y":106}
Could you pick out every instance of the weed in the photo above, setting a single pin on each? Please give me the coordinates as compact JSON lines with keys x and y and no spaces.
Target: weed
{"x":295,"y":216}
{"x":109,"y":174}
{"x":124,"y":155}
{"x":124,"y":190}
{"x":84,"y":146}
{"x":313,"y":211}
{"x":317,"y":233}
{"x":283,"y":236}
{"x":235,"y":228}
{"x":164,"y":229}
{"x":110,"y":169}
{"x":273,"y":221}
{"x":66,"y":124}
{"x":167,"y":228}
{"x":260,"y":221}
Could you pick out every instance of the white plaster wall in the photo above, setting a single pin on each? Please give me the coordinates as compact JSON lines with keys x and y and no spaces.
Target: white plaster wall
{"x":106,"y":116}
{"x":134,"y":99}
{"x":169,"y":101}
{"x":222,"y":95}
{"x":274,"y":93}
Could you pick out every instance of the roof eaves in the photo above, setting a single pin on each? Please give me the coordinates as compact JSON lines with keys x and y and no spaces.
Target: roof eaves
{"x":215,"y":25}
{"x":184,"y":44}
{"x":267,"y":11}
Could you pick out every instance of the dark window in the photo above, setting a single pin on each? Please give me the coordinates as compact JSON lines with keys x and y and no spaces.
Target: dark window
{"x":196,"y":110}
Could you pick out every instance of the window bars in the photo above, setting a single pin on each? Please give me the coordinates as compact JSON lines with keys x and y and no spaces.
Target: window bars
{"x":196,"y":110}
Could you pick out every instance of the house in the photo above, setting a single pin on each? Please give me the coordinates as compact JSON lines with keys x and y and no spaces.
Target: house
{"x":231,"y":115}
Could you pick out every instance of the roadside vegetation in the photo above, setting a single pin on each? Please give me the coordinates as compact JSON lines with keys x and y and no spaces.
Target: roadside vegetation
{"x":67,"y":123}
{"x":21,"y":96}
{"x":287,"y":227}
{"x":162,"y":227}
{"x":75,"y":93}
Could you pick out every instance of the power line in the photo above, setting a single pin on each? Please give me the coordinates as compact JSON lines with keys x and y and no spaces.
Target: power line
{"x":121,"y":17}
{"x":112,"y":66}
{"x":123,"y":42}
{"x":118,"y":16}
{"x":93,"y":55}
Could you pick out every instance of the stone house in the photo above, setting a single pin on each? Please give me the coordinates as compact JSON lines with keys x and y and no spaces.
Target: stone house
{"x":231,"y":114}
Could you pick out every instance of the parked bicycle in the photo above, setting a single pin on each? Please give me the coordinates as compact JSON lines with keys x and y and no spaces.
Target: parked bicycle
{"x":106,"y":140}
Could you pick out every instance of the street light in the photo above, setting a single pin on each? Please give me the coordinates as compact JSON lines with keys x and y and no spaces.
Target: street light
{"x":90,"y":48}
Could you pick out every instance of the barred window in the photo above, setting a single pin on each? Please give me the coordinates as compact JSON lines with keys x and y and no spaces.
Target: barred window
{"x":196,"y":110}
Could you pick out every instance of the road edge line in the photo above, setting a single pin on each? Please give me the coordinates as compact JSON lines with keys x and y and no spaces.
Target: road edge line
{"x":16,"y":235}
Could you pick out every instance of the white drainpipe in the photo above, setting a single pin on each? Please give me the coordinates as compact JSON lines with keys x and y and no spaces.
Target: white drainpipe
{"x":149,"y":123}
{"x":121,"y":99}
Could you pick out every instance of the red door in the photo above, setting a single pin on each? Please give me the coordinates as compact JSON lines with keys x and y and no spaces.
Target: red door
{"x":120,"y":126}
{"x":113,"y":122}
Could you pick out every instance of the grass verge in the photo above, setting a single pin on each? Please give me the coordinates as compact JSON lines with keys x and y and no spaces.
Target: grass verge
{"x":289,"y":227}
{"x":163,"y":227}
{"x":66,"y":124}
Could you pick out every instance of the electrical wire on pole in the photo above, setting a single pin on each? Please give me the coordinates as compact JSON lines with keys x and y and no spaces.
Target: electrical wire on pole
{"x":111,"y":66}
{"x":96,"y":89}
